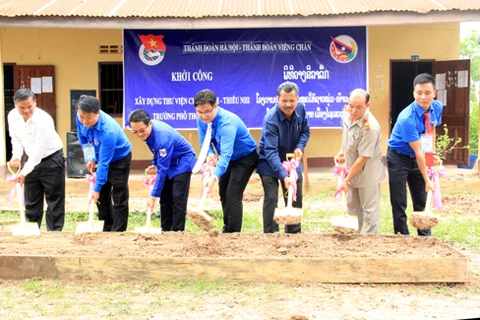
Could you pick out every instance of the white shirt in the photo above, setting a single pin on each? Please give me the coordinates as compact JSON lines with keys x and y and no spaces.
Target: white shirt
{"x":36,"y":136}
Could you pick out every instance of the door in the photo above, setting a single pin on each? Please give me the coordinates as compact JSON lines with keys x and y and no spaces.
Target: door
{"x":453,"y":88}
{"x":456,"y":111}
{"x":43,"y":80}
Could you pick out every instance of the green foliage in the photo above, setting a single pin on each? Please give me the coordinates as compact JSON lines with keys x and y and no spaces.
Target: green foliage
{"x":473,"y":128}
{"x":470,"y":49}
{"x":445,"y":143}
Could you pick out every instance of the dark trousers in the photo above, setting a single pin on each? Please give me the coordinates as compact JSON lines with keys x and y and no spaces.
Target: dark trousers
{"x":115,"y":215}
{"x":47,"y":180}
{"x":403,"y":169}
{"x":231,"y":186}
{"x":173,"y":202}
{"x":270,"y":201}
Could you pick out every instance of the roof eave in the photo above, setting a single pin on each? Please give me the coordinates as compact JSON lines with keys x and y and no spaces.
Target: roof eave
{"x":361,"y":19}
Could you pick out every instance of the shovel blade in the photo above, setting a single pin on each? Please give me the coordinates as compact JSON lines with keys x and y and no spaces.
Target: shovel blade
{"x":89,"y":226}
{"x":345,"y":224}
{"x":200,"y":218}
{"x":26,"y":229}
{"x":288,"y":216}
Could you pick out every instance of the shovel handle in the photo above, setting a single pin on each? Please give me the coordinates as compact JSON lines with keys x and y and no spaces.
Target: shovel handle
{"x":344,"y":203}
{"x":429,"y":201}
{"x":20,"y":202}
{"x":204,"y":197}
{"x":19,"y":190}
{"x":90,"y":210}
{"x":290,"y":197}
{"x":149,"y":218}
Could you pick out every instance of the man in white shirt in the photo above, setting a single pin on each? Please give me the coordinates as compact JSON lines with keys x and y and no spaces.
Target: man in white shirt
{"x":32,"y":131}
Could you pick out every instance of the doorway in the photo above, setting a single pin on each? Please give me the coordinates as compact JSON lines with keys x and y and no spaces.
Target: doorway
{"x":403,"y":73}
{"x":454,"y":90}
{"x":8,"y":93}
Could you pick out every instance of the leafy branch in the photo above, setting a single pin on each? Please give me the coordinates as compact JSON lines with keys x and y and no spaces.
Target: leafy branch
{"x":445,"y":143}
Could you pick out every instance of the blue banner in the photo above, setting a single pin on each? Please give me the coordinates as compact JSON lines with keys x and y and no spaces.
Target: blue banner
{"x":164,"y":69}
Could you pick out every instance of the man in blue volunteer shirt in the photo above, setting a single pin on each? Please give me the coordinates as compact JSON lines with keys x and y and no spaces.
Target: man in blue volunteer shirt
{"x":237,"y":155}
{"x":173,"y":160}
{"x":285,"y":130}
{"x":405,"y":159}
{"x":112,"y":161}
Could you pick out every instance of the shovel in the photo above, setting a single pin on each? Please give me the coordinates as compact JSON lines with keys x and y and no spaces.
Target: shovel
{"x":289,"y":215}
{"x":91,"y":225}
{"x":344,"y":223}
{"x":424,"y":220}
{"x":24,"y":228}
{"x":200,"y":218}
{"x":147,"y":228}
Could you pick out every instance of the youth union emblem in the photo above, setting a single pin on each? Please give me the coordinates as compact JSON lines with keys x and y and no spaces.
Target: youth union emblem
{"x":152,"y":51}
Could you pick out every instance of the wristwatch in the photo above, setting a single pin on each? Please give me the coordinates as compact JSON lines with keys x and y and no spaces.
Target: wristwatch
{"x":347,"y":182}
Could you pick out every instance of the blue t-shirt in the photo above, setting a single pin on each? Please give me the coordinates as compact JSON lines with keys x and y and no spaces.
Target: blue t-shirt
{"x":172,"y":154}
{"x":411,"y":124}
{"x":231,"y":139}
{"x":109,"y":141}
{"x":279,"y":137}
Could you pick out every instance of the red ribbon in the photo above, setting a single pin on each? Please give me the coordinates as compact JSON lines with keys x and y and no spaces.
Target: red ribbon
{"x":291,"y":168}
{"x":13,"y":178}
{"x":149,"y":181}
{"x":341,"y":172}
{"x":435,"y":174}
{"x":91,"y":178}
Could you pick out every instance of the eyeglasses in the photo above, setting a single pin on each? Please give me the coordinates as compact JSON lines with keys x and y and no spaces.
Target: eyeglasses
{"x":206,"y":112}
{"x":139,"y":131}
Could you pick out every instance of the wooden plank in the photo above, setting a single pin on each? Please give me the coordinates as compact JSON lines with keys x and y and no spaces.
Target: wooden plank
{"x":27,"y":267}
{"x":341,"y":270}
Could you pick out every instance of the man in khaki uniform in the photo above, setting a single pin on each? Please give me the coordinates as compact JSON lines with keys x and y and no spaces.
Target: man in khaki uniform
{"x":362,"y":152}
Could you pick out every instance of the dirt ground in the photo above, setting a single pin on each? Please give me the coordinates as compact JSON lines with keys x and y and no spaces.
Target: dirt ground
{"x":238,"y":245}
{"x":139,"y":300}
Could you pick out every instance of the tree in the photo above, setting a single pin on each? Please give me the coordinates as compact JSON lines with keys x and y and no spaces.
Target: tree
{"x":470,"y":49}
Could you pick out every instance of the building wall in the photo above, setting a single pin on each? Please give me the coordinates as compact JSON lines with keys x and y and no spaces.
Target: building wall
{"x":75,"y":55}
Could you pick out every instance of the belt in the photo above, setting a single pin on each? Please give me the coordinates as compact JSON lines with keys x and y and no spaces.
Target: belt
{"x":402,"y":154}
{"x":52,"y":155}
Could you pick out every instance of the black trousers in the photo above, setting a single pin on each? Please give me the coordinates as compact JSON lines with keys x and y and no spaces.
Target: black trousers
{"x":113,"y":200}
{"x":270,"y":201}
{"x":231,"y":186}
{"x":173,"y":202}
{"x":403,"y":170}
{"x":47,"y":180}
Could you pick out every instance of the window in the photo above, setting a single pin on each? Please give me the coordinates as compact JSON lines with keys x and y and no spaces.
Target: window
{"x":111,"y":87}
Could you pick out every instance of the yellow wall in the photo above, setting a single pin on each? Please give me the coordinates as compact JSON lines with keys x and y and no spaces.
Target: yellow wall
{"x":385,"y":43}
{"x":75,"y":55}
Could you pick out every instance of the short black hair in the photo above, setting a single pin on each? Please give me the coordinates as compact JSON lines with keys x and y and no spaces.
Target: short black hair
{"x":88,"y":104}
{"x":205,"y":96}
{"x":287,"y":87}
{"x":139,"y":115}
{"x":23,"y":94}
{"x":424,"y":78}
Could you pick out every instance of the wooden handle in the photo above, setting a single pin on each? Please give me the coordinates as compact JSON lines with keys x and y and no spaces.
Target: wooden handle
{"x":429,"y":201}
{"x":204,"y":197}
{"x":149,"y":218}
{"x":344,"y":203}
{"x":90,"y":211}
